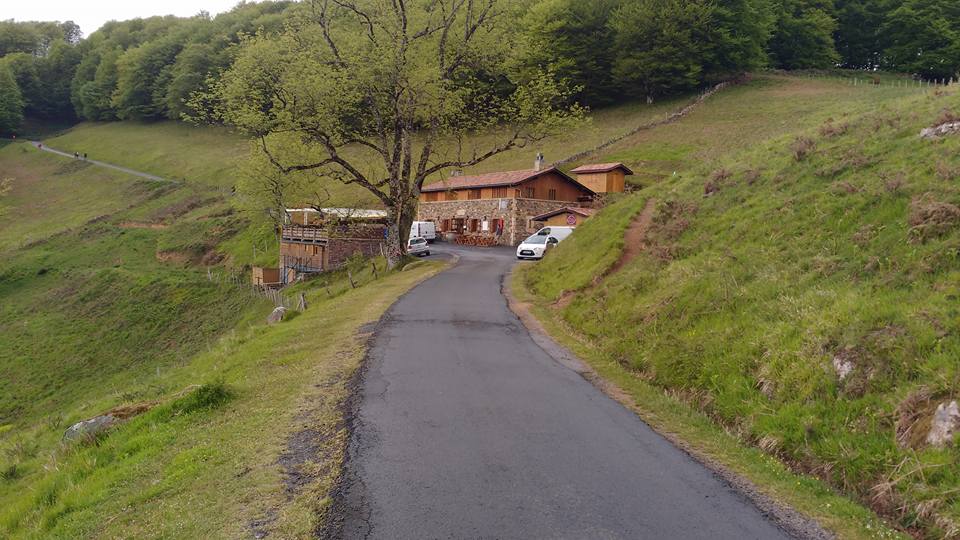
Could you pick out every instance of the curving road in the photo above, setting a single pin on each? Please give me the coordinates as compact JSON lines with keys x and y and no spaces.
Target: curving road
{"x":467,"y":429}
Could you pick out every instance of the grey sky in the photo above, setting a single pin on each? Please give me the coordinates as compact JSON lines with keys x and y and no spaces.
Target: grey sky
{"x":91,"y":14}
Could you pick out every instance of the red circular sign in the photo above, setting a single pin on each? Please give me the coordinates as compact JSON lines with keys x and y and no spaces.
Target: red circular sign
{"x":571,"y":219}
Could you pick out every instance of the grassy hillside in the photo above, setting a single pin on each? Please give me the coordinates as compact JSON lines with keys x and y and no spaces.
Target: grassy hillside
{"x":32,"y":208}
{"x":253,"y":451}
{"x":175,"y":150}
{"x":766,"y":106}
{"x":770,"y":263}
{"x":107,"y":303}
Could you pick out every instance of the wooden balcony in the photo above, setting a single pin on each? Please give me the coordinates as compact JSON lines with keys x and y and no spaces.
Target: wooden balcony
{"x":304,"y":234}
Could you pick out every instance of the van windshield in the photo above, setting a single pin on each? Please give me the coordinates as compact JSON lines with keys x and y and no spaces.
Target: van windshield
{"x":536,"y":239}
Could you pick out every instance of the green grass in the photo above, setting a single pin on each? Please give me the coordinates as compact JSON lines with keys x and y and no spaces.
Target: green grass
{"x":36,"y":207}
{"x":205,"y":464}
{"x":744,"y":298}
{"x":708,"y":441}
{"x":742,"y":116}
{"x":174,"y":150}
{"x":105,"y":300}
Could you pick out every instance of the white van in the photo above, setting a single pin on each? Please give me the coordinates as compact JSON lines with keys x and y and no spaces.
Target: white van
{"x":424,"y":229}
{"x":536,"y":246}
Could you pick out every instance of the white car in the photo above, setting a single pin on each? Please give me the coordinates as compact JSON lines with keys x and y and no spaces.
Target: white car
{"x":418,"y":246}
{"x":536,"y":245}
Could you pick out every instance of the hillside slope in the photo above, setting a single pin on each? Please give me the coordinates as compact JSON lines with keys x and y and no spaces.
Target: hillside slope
{"x":801,"y":292}
{"x":128,"y":298}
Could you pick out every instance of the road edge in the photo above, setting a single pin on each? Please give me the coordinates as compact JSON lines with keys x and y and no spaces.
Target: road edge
{"x":330,"y":526}
{"x":790,"y":520}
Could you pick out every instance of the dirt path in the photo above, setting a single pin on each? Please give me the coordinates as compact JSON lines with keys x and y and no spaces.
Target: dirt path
{"x":634,"y":240}
{"x":40,"y":146}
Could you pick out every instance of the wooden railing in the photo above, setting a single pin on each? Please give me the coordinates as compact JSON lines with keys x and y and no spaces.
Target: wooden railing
{"x":299,"y":233}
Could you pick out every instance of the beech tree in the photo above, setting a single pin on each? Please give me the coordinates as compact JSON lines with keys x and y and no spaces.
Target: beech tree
{"x":11,"y":102}
{"x":383,"y":94}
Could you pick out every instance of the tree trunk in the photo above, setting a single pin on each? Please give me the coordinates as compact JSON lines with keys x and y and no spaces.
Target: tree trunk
{"x":398,"y":232}
{"x":394,"y":245}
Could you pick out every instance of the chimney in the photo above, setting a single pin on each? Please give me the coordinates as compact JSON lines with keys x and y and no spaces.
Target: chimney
{"x":457,"y":172}
{"x":538,"y":163}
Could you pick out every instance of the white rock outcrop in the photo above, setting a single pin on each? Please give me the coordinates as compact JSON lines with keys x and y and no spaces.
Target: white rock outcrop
{"x":88,"y":429}
{"x":842,"y":366}
{"x":935,"y":132}
{"x":276,"y":315}
{"x":946,"y":422}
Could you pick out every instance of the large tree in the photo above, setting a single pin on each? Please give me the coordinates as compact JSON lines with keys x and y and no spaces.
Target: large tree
{"x":924,"y":38}
{"x":658,"y":45}
{"x":573,"y":38}
{"x":383,"y":94}
{"x":11,"y":102}
{"x":803,"y":35}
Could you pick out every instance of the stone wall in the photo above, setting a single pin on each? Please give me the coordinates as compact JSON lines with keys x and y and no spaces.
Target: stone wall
{"x":515,"y":213}
{"x":346,"y":239}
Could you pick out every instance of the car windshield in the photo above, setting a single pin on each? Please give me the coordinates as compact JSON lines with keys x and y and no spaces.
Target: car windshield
{"x":536,"y":239}
{"x":417,"y":241}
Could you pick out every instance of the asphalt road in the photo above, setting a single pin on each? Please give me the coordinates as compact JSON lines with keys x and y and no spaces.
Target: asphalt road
{"x":467,"y":429}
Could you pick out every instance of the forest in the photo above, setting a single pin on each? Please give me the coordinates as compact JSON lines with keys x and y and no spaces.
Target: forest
{"x":607,"y":50}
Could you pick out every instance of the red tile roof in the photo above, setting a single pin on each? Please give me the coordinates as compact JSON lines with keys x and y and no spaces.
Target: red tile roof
{"x":497,"y":179}
{"x":601,"y":167}
{"x":585,"y":212}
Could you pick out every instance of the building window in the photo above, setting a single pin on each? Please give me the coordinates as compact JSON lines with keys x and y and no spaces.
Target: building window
{"x":499,"y":193}
{"x":451,"y":195}
{"x":552,"y":195}
{"x":445,"y":226}
{"x":529,"y":192}
{"x":473,"y":194}
{"x":473,"y":225}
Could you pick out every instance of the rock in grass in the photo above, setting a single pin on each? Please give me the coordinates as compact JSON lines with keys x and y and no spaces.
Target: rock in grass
{"x":946,"y":422}
{"x":949,"y":128}
{"x":276,"y":315}
{"x":843,"y":366}
{"x":88,"y":429}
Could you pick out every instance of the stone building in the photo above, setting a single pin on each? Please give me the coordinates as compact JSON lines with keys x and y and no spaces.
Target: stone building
{"x":317,"y":240}
{"x":502,"y":206}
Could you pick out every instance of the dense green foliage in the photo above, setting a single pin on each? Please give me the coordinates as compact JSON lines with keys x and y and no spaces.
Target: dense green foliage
{"x":837,"y":247}
{"x":609,"y":50}
{"x":11,"y":102}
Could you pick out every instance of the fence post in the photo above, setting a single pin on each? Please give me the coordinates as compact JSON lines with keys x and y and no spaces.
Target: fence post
{"x":350,"y":277}
{"x":302,"y":304}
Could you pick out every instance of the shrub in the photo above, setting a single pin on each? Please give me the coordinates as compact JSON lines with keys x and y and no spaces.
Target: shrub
{"x":207,"y":396}
{"x":802,"y":148}
{"x":930,"y":218}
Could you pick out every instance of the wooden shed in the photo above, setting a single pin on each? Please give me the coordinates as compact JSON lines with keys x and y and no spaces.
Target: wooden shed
{"x":564,"y":217}
{"x":603,"y":177}
{"x":266,"y":277}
